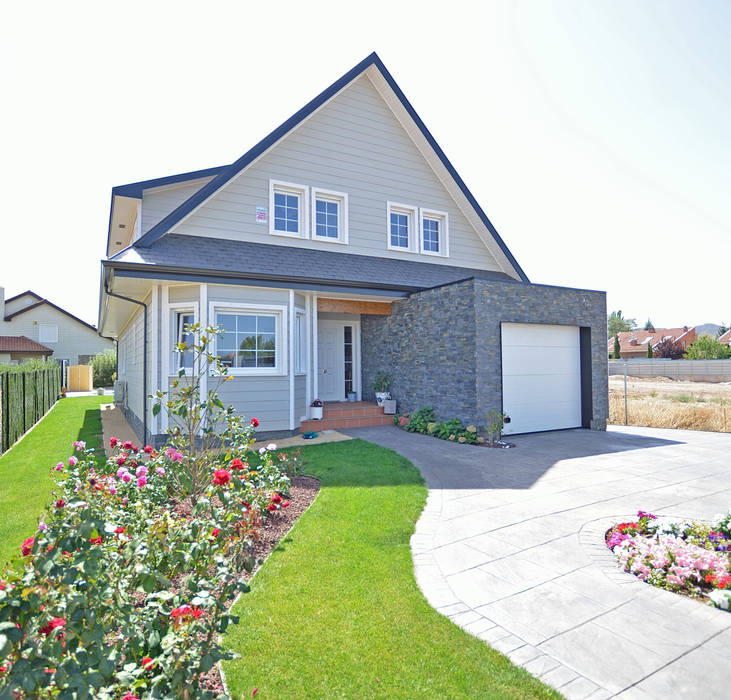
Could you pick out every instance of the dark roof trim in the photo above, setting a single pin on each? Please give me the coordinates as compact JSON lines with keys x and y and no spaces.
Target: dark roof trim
{"x":237,"y":166}
{"x":52,"y":305}
{"x":136,"y":189}
{"x":22,"y":294}
{"x":210,"y":277}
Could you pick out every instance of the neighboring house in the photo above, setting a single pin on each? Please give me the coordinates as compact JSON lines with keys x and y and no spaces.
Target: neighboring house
{"x":62,"y":334}
{"x":19,"y":348}
{"x":633,"y":344}
{"x":342,"y":244}
{"x":725,"y":338}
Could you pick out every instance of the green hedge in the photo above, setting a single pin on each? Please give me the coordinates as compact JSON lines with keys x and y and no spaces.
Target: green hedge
{"x":26,"y":393}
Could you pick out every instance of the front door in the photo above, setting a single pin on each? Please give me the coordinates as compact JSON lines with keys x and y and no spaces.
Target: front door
{"x":331,"y":360}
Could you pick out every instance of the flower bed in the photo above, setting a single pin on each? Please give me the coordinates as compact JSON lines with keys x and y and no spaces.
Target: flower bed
{"x":424,"y":421}
{"x":125,"y":586}
{"x":687,"y":557}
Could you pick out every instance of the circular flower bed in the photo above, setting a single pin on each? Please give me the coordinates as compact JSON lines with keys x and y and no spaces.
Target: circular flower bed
{"x":684,"y":556}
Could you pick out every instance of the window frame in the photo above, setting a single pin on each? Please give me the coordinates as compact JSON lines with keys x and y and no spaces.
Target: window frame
{"x":301,"y":192}
{"x":47,"y":326}
{"x":341,"y":199}
{"x":443,"y":218}
{"x":175,"y":309}
{"x":412,"y":213}
{"x":279,"y":311}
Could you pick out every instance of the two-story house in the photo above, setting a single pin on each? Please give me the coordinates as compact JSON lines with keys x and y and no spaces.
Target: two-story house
{"x":342,"y":244}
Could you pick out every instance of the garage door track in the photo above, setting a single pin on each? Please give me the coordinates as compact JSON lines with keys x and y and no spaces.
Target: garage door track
{"x":511,"y":547}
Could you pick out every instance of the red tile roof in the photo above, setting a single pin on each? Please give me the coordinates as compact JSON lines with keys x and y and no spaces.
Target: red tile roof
{"x":725,"y":338}
{"x":640,"y":338}
{"x":19,"y":343}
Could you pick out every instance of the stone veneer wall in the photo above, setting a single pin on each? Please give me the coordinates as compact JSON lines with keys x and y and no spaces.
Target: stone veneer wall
{"x":442,"y":346}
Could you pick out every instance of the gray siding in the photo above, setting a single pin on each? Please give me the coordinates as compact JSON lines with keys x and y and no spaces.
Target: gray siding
{"x":159,"y":202}
{"x":266,"y":398}
{"x":74,"y":338}
{"x":353,"y":144}
{"x":131,"y":365}
{"x":300,"y":397}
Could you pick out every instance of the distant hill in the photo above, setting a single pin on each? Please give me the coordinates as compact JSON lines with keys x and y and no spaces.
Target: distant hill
{"x":708,"y":329}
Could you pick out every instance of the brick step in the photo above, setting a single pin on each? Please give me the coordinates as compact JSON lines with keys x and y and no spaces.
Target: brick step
{"x":354,"y":412}
{"x":344,"y":423}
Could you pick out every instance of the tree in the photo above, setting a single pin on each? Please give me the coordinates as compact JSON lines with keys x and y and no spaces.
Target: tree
{"x":649,"y":349}
{"x":668,"y":349}
{"x":616,"y":323}
{"x":616,"y":353}
{"x":707,"y":348}
{"x":649,"y":326}
{"x":723,"y":329}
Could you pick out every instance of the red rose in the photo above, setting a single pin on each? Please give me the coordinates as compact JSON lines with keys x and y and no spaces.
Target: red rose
{"x":147,"y":449}
{"x":221,"y":477}
{"x":127,"y":445}
{"x":285,"y":504}
{"x":237,"y":464}
{"x":96,"y":540}
{"x":254,"y":422}
{"x":215,"y":532}
{"x":276,"y":498}
{"x":55,"y":623}
{"x":60,"y":503}
{"x":27,"y":546}
{"x":271,"y":507}
{"x":121,"y":459}
{"x":119,"y":530}
{"x":147,"y":662}
{"x":113,"y":442}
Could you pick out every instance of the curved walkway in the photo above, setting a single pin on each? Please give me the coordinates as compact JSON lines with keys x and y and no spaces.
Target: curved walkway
{"x":510,"y":546}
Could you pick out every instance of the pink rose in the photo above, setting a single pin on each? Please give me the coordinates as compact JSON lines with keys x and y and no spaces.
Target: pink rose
{"x":59,"y":466}
{"x":160,"y":471}
{"x":113,"y":442}
{"x":142,"y":481}
{"x":141,"y":470}
{"x":73,"y":461}
{"x":126,"y":477}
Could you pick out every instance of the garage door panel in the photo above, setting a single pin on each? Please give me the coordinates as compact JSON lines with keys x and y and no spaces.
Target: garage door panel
{"x":523,"y":360}
{"x":541,"y":377}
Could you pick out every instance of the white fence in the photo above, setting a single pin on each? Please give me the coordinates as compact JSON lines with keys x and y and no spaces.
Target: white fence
{"x":688,"y":370}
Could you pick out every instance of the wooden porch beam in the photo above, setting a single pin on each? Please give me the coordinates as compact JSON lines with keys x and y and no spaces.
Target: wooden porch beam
{"x":348,"y":306}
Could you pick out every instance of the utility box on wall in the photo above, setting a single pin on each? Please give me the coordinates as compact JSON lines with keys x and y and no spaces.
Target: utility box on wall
{"x":80,"y":378}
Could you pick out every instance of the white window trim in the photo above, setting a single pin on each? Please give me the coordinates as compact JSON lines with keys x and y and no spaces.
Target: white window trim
{"x":443,"y":218}
{"x":173,"y":309}
{"x":342,"y":200}
{"x":299,"y":312}
{"x":48,"y":326}
{"x":302,"y":191}
{"x":280,"y":350}
{"x":413,"y":213}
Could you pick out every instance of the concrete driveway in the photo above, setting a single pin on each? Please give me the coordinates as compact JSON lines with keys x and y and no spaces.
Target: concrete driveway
{"x":511,"y":547}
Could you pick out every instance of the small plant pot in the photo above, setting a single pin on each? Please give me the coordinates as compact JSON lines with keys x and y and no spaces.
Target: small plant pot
{"x":100,"y":391}
{"x":382,"y":396}
{"x":316,"y":412}
{"x":352,"y":396}
{"x":389,"y":407}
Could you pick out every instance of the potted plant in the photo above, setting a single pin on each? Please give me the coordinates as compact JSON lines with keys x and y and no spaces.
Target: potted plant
{"x":352,"y":396}
{"x":381,"y":385}
{"x":316,"y":409}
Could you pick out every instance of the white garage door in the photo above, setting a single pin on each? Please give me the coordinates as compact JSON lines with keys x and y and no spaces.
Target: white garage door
{"x":541,"y":377}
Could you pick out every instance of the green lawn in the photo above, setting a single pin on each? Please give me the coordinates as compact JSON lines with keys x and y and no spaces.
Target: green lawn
{"x":336,"y":612}
{"x":25,"y":481}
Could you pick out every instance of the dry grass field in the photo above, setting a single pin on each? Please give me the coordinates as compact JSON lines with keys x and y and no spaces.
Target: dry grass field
{"x":659,"y":402}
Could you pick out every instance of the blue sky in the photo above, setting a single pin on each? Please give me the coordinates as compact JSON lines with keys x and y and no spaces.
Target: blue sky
{"x":594,"y":134}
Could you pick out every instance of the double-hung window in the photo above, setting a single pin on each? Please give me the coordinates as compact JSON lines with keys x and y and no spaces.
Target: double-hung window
{"x":329,"y":216}
{"x":288,"y":209}
{"x":184,"y":338}
{"x":434,"y":232}
{"x":401,"y":227}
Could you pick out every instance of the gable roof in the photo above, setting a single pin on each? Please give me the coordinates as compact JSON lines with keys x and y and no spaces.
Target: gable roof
{"x":26,"y":293}
{"x":725,"y":338}
{"x":21,"y":343}
{"x":43,"y":301}
{"x":653,"y":337}
{"x":228,"y":173}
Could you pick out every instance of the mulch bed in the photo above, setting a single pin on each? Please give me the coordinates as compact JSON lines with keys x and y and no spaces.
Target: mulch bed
{"x":302,"y":493}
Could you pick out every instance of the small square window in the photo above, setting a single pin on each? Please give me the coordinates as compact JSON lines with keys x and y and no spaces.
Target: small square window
{"x":47,"y":333}
{"x":401,"y":227}
{"x":288,"y":209}
{"x":434,"y":232}
{"x":329,"y":216}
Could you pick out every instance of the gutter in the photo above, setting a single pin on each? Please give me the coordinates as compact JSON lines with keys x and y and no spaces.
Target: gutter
{"x":144,"y":354}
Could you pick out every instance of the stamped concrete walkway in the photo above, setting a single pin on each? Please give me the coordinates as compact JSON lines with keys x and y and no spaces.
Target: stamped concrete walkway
{"x":510,"y":546}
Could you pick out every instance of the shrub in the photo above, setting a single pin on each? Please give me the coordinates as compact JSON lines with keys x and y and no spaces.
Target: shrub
{"x":707,"y":348}
{"x":104,"y":367}
{"x":668,"y":349}
{"x":424,"y":421}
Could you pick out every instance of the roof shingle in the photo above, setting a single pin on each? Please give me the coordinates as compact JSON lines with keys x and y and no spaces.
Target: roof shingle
{"x":21,"y":343}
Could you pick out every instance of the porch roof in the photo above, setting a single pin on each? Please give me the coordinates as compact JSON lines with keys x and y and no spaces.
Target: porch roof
{"x":292,"y":263}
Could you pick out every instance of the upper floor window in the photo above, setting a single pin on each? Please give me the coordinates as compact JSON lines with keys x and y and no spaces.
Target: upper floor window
{"x":330,"y":216}
{"x":288,"y":209}
{"x":401,"y":227}
{"x":47,"y":333}
{"x":434,"y":232}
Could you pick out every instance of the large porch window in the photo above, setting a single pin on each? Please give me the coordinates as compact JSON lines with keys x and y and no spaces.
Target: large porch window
{"x":249,"y":341}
